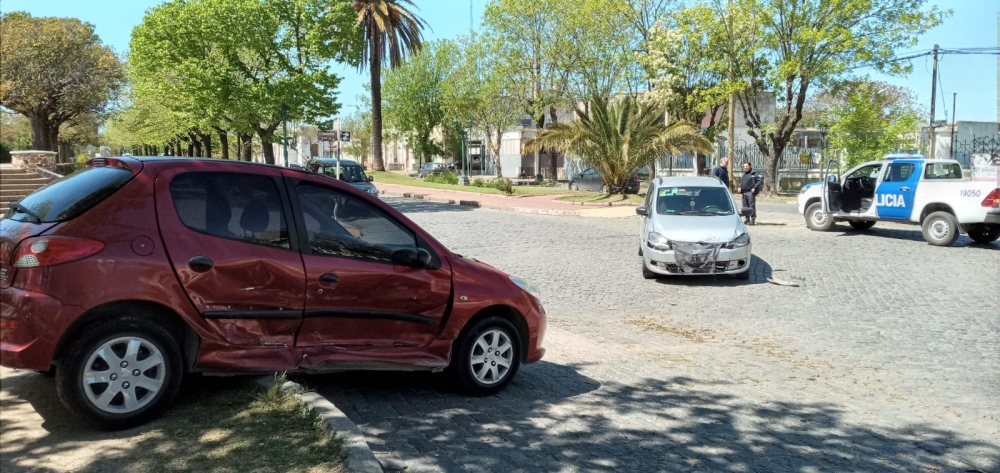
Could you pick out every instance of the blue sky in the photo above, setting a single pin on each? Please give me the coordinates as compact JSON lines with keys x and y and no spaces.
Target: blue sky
{"x":974,"y":24}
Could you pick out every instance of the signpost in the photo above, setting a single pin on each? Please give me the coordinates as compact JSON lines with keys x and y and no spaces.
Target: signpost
{"x":336,"y":135}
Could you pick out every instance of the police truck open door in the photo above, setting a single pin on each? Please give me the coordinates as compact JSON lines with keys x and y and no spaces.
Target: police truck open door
{"x":832,"y":195}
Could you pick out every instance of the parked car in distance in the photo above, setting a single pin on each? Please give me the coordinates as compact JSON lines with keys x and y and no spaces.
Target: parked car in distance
{"x":430,"y":168}
{"x":129,"y":274}
{"x":590,"y":180}
{"x":690,"y":226}
{"x":350,"y":172}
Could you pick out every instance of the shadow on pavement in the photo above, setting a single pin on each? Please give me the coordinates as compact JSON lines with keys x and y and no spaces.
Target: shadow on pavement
{"x":913,"y":235}
{"x":554,"y":419}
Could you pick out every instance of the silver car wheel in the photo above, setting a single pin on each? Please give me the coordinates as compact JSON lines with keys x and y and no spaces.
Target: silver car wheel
{"x":124,"y":374}
{"x":492,"y":356}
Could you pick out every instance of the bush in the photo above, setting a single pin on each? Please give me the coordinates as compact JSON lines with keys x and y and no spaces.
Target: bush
{"x":503,"y":184}
{"x":446,"y":177}
{"x":480,"y":182}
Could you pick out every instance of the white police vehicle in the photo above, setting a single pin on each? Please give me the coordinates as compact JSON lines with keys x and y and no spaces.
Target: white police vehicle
{"x":909,"y":189}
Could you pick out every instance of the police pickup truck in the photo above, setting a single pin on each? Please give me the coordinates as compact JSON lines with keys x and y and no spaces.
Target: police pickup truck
{"x":908,"y":189}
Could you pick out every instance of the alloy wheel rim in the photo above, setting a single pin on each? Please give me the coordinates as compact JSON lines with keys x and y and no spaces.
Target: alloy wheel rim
{"x":492,"y":356}
{"x":124,"y":375}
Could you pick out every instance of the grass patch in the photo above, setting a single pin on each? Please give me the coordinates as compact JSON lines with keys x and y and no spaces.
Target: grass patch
{"x":399,"y":179}
{"x":231,"y":425}
{"x":603,"y":198}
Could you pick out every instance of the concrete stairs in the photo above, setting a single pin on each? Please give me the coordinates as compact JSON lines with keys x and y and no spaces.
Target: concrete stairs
{"x":15,"y":184}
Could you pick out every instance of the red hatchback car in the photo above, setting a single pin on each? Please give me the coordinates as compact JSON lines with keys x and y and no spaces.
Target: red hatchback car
{"x":126,"y":275}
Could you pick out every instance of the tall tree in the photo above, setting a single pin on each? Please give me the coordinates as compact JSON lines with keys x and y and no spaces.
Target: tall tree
{"x":414,"y":95}
{"x":870,"y":119}
{"x":558,"y":52}
{"x":271,"y":54}
{"x":391,"y":32}
{"x":478,"y":92}
{"x":54,"y":70}
{"x":678,"y":61}
{"x":616,"y":137}
{"x":785,"y":46}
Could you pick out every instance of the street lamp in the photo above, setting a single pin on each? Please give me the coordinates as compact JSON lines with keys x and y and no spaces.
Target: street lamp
{"x":463,"y":180}
{"x":284,"y":130}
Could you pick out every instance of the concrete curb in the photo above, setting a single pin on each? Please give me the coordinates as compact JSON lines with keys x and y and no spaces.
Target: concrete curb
{"x":360,"y":458}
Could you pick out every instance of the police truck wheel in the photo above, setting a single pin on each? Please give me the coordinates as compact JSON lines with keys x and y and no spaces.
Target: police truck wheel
{"x":940,"y":229}
{"x":985,"y":234}
{"x":818,"y":220}
{"x":862,"y":224}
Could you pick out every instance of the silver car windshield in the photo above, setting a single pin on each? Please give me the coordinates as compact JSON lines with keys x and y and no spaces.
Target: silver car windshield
{"x":693,"y":201}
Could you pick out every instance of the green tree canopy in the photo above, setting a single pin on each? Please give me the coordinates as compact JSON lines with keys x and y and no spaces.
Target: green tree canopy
{"x":234,"y":63}
{"x":869,"y":119}
{"x":784,"y":47}
{"x":54,"y":70}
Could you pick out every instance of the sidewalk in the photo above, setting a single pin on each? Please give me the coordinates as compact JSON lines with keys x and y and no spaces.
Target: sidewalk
{"x":530,"y":204}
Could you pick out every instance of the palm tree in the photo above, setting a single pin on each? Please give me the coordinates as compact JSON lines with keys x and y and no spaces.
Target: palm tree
{"x":391,"y":32}
{"x":617,"y":137}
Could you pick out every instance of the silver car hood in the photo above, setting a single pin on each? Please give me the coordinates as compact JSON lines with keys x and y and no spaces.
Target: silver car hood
{"x":699,"y":228}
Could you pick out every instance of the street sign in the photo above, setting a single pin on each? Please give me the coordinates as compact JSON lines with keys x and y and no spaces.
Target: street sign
{"x":345,"y":136}
{"x":327,"y":135}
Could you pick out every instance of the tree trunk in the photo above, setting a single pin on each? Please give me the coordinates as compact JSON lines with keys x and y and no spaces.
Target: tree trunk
{"x":495,"y":149}
{"x":246,"y":143}
{"x":266,"y":143}
{"x":206,"y":144}
{"x":376,"y":83}
{"x":223,"y":142}
{"x":39,"y":132}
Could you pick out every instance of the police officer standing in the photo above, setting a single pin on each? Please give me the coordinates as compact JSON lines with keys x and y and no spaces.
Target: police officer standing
{"x":721,"y":171}
{"x":750,"y":185}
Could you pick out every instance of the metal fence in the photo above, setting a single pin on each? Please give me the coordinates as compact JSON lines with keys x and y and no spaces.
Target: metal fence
{"x":964,"y":151}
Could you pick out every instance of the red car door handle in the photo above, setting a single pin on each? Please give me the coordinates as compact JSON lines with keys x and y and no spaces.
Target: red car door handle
{"x":200,"y":264}
{"x":329,"y":277}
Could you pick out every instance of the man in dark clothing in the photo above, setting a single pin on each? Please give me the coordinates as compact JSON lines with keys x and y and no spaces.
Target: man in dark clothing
{"x":722,"y":171}
{"x":749,"y":186}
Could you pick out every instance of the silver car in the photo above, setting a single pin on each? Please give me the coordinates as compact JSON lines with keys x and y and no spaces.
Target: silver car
{"x":690,"y":226}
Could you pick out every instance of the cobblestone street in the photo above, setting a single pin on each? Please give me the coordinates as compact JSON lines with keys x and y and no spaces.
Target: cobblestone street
{"x":886,"y":358}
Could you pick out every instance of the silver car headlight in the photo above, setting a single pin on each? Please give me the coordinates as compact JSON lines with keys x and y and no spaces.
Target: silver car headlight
{"x":658,"y":242}
{"x":526,"y":286}
{"x":739,"y":242}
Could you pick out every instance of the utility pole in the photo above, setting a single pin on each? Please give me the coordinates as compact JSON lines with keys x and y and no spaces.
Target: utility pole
{"x":731,"y":143}
{"x":951,"y":145}
{"x":933,"y":91}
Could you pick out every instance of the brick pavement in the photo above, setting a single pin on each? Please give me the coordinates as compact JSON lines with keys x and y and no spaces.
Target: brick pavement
{"x":885,"y":359}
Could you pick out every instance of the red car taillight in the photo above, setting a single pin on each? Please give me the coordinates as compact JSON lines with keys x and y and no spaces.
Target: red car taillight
{"x":992,"y":199}
{"x":48,"y":251}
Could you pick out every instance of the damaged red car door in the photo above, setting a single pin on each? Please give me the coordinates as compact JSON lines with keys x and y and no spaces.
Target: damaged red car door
{"x":228,"y":238}
{"x":373,"y":291}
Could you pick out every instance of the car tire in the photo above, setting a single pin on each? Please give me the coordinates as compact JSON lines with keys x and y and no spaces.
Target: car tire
{"x":816,"y":219}
{"x":105,"y":350}
{"x":940,"y":228}
{"x":646,"y":273}
{"x":984,"y":234}
{"x":574,"y":186}
{"x":862,"y":224}
{"x":481,"y":373}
